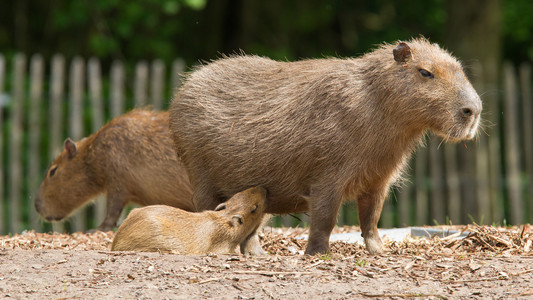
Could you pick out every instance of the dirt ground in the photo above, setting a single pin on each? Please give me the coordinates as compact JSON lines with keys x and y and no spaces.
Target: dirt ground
{"x":490,"y":263}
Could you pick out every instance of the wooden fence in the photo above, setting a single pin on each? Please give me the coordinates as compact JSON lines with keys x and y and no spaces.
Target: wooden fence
{"x":489,"y":180}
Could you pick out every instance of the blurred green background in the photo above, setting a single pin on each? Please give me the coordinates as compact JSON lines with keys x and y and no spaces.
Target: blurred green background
{"x":292,"y":29}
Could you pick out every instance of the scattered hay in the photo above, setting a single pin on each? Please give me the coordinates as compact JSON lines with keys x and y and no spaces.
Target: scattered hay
{"x":284,"y":242}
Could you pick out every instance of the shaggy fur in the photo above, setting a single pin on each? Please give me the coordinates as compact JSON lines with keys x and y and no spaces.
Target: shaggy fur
{"x":131,"y":159}
{"x":320,"y":131}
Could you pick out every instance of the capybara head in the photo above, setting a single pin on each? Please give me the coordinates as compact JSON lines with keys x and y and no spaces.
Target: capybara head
{"x":245,"y":209}
{"x":66,"y":186}
{"x":428,"y":86}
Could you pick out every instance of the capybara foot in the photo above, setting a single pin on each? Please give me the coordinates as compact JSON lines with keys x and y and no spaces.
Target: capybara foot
{"x":374,"y":245}
{"x":252,"y":246}
{"x":317,"y":248}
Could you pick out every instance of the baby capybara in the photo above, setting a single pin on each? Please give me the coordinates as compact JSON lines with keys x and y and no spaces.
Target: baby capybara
{"x":130,"y":159}
{"x":165,"y":228}
{"x":317,"y":132}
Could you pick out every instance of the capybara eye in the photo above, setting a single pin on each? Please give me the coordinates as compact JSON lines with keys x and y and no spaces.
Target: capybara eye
{"x":255,"y":209}
{"x":52,"y":171}
{"x":426,"y":73}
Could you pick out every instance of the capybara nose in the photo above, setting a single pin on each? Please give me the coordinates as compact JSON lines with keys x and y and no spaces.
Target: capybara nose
{"x":259,"y":189}
{"x":37,"y":203}
{"x":467,"y":111}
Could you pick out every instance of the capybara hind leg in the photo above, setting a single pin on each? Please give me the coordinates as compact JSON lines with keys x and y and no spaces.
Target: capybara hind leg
{"x":370,"y":206}
{"x":323,"y":218}
{"x":114,"y":206}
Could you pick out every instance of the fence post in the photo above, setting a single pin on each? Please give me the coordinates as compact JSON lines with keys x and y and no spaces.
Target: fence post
{"x":157,"y":83}
{"x":2,"y":99}
{"x":97,"y":108}
{"x":483,"y":189}
{"x":57,"y":95}
{"x":15,"y":144}
{"x":405,"y":203}
{"x":117,"y":89}
{"x":178,"y":68}
{"x":525,"y":88}
{"x":34,"y":134}
{"x":421,"y":163}
{"x":453,"y":184}
{"x":76,"y":88}
{"x":512,"y":154}
{"x":141,"y":84}
{"x":437,"y":183}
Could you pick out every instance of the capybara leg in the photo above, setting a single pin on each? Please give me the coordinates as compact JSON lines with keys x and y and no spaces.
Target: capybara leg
{"x":370,"y":206}
{"x":323,"y":218}
{"x":114,"y":206}
{"x":251,"y":244}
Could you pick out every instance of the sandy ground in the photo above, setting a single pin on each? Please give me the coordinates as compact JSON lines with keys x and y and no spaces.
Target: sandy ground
{"x":490,"y":263}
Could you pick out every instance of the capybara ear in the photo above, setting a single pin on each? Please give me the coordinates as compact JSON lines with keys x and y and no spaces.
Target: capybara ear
{"x":236,"y":220}
{"x":402,"y":53}
{"x":221,"y":206}
{"x":70,"y":147}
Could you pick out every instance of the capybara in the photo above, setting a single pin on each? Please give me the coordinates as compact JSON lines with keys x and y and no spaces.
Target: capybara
{"x":130,"y":159}
{"x":165,"y":228}
{"x":319,"y":131}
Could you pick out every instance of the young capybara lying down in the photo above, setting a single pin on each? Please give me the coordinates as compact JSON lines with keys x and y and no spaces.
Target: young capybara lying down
{"x":317,"y":132}
{"x":130,"y":159}
{"x":164,"y":228}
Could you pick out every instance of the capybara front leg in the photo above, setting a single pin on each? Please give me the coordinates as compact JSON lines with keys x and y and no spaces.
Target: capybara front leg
{"x":323,"y":218}
{"x":370,"y":205}
{"x":251,"y":244}
{"x":114,"y":206}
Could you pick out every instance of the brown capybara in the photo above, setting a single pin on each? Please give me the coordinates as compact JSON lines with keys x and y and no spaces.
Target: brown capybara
{"x":165,"y":228}
{"x":130,"y":159}
{"x":317,"y":132}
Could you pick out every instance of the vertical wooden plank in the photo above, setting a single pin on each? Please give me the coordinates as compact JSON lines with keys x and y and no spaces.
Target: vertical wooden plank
{"x":527,"y":111}
{"x":141,"y":84}
{"x":494,"y":113}
{"x":405,"y":204}
{"x":436,"y":174}
{"x":178,"y":70}
{"x":482,"y":159}
{"x":117,"y":89}
{"x":2,"y":99}
{"x":421,"y":163}
{"x":34,"y":144}
{"x":453,"y":184}
{"x":15,"y":144}
{"x":157,"y":83}
{"x":512,"y":154}
{"x":97,"y":112}
{"x":55,"y":113}
{"x":387,"y":214}
{"x":76,"y":89}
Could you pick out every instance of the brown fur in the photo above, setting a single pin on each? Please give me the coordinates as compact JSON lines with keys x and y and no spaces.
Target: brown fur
{"x":164,"y":228}
{"x":131,"y":159}
{"x":317,"y":132}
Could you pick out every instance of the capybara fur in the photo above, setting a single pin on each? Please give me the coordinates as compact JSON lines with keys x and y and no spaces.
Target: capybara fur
{"x":319,"y":131}
{"x":165,"y":228}
{"x":130,"y":159}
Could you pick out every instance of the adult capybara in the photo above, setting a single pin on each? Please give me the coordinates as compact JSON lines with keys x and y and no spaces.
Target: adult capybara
{"x":317,"y":132}
{"x":164,"y":228}
{"x":130,"y":159}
